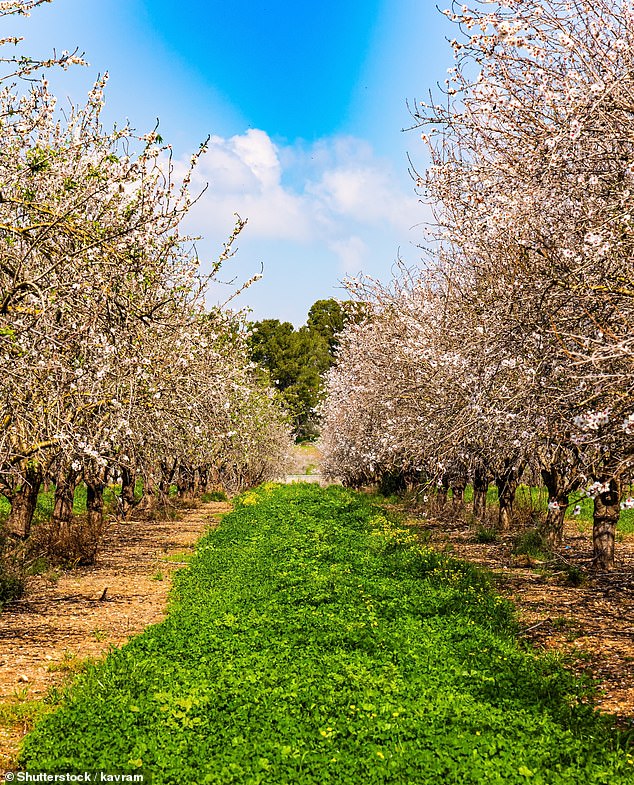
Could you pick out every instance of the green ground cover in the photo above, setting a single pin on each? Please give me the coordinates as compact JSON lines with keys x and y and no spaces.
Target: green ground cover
{"x":311,"y":640}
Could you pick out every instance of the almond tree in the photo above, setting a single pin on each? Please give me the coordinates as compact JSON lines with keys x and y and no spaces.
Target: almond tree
{"x":531,"y":171}
{"x":111,"y":365}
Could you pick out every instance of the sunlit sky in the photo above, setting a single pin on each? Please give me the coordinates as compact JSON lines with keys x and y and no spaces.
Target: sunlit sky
{"x":305,"y":105}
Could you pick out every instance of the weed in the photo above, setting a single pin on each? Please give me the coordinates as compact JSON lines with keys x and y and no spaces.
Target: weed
{"x":530,"y":543}
{"x":11,"y":583}
{"x":314,"y":640}
{"x":21,"y":693}
{"x":21,"y":712}
{"x":483,"y":534}
{"x":38,"y":566}
{"x":158,"y":576}
{"x":70,"y":664}
{"x":575,"y":576}
{"x":179,"y":558}
{"x":53,"y":575}
{"x":214,"y":496}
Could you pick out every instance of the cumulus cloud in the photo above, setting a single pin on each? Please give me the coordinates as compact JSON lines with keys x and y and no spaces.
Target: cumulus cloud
{"x":330,"y":192}
{"x":316,"y":213}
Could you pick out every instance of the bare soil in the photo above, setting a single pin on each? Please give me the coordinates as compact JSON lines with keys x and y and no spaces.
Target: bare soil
{"x":590,"y":625}
{"x":66,"y":617}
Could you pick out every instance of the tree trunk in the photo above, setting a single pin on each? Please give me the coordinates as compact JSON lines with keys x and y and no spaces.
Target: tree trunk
{"x":197,"y":484}
{"x":457,"y":493}
{"x":23,"y":504}
{"x":63,"y":509}
{"x":507,"y":482}
{"x":480,"y":488}
{"x":606,"y":516}
{"x":552,"y":529}
{"x":149,"y":499}
{"x":442,"y":492}
{"x":94,"y":512}
{"x":128,"y":501}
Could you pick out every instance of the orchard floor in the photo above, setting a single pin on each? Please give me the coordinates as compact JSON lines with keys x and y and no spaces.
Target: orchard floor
{"x":62,"y":620}
{"x":591,"y":625}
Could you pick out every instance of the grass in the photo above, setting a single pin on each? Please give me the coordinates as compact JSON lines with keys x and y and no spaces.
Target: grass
{"x":536,"y":498}
{"x":70,"y":664}
{"x":314,"y":641}
{"x":214,"y":496}
{"x":21,"y":712}
{"x":485,"y":535}
{"x":46,"y":501}
{"x":530,"y":543}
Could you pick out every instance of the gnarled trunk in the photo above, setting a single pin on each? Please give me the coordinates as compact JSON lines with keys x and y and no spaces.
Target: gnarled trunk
{"x":457,"y":492}
{"x":507,"y":482}
{"x":606,"y":516}
{"x":480,"y":488}
{"x":95,"y":487}
{"x":458,"y":484}
{"x":63,"y":508}
{"x":151,"y":493}
{"x":552,"y":529}
{"x":94,"y":513}
{"x":442,"y":492}
{"x":128,"y":500}
{"x":23,"y":504}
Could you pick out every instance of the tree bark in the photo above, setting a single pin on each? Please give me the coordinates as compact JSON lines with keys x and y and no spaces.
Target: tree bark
{"x":63,"y":509}
{"x":458,"y":484}
{"x":23,"y":504}
{"x":442,"y":492}
{"x":149,"y":500}
{"x":94,"y":513}
{"x":457,"y":495}
{"x":552,"y":529}
{"x":480,"y":488}
{"x":606,"y":516}
{"x":128,"y":500}
{"x":507,"y":482}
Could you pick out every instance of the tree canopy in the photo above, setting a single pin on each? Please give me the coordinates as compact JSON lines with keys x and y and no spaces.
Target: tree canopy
{"x":295,"y":360}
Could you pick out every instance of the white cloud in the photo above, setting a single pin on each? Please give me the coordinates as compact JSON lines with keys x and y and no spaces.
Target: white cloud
{"x":316,"y":213}
{"x":367,"y":195}
{"x":352,"y":253}
{"x":339,"y":188}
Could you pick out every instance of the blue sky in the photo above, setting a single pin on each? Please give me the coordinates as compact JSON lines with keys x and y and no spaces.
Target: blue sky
{"x":305,"y":104}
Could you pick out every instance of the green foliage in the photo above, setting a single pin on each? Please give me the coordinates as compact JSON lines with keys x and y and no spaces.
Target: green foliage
{"x":575,"y":576}
{"x":297,"y":359}
{"x":483,"y":534}
{"x":327,"y":318}
{"x":12,"y":576}
{"x":311,"y":641}
{"x":530,"y":543}
{"x":214,"y":496}
{"x":11,"y":583}
{"x":536,"y":498}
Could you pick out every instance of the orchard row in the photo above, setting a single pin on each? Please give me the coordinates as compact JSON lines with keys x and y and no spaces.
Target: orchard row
{"x":112,"y":367}
{"x":509,"y":356}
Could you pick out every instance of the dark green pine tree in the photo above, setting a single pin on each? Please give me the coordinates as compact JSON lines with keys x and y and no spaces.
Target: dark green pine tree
{"x":297,"y":359}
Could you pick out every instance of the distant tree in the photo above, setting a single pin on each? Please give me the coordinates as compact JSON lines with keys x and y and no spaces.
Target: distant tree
{"x":296,"y":360}
{"x":328,"y":318}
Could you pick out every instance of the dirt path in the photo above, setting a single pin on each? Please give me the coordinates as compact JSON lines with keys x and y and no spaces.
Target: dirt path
{"x":62,"y":619}
{"x":591,"y":625}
